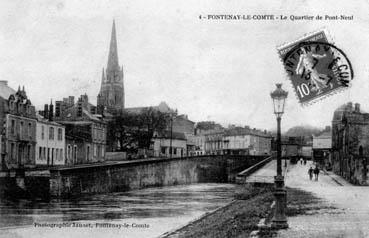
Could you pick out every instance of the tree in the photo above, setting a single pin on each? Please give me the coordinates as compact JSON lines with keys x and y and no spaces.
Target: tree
{"x":130,"y":131}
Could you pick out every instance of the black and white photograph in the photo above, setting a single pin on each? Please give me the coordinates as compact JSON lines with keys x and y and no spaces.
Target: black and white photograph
{"x":181,"y":119}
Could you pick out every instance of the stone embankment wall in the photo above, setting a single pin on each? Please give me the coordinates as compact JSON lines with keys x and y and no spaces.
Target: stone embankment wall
{"x":128,"y":175}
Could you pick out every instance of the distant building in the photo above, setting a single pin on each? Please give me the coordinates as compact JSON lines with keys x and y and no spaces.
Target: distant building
{"x":18,"y":131}
{"x":214,"y":144}
{"x":322,"y":146}
{"x":111,"y":96}
{"x":199,"y":141}
{"x":85,"y":131}
{"x":350,"y":143}
{"x":162,"y":107}
{"x":166,"y":143}
{"x":290,"y":146}
{"x":248,"y":141}
{"x":50,"y":147}
{"x":181,"y":124}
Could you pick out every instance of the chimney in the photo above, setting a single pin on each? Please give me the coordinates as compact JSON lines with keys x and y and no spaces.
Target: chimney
{"x":58,"y":108}
{"x":46,"y":111}
{"x":51,"y":111}
{"x":79,"y":108}
{"x":349,"y":106}
{"x":357,"y":107}
{"x":71,"y":100}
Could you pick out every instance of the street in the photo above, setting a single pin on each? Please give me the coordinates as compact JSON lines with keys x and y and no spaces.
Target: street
{"x":350,"y":219}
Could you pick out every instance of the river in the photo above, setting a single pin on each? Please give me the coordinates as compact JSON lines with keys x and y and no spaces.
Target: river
{"x":141,"y":213}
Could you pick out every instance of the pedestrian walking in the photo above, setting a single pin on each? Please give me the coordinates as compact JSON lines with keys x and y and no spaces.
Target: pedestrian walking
{"x":310,"y":172}
{"x":316,"y":173}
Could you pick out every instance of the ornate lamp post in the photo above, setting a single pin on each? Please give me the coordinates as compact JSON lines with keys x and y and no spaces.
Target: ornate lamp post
{"x":279,"y":220}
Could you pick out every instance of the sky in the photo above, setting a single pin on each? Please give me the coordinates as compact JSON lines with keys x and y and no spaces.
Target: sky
{"x":218,"y":70}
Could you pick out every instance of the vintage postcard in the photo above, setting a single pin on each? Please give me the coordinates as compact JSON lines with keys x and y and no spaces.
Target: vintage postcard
{"x":173,"y":118}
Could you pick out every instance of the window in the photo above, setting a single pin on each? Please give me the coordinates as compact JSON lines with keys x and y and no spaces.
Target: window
{"x":12,"y":150}
{"x":75,"y":154}
{"x":42,"y":132}
{"x":51,"y":133}
{"x":29,"y":153}
{"x":21,"y":129}
{"x":69,"y":152}
{"x":60,"y":134}
{"x":88,"y":153}
{"x":61,"y":154}
{"x":29,"y":129}
{"x":12,"y":129}
{"x":52,"y":156}
{"x":40,"y":153}
{"x":163,"y":150}
{"x":48,"y":156}
{"x":95,"y":150}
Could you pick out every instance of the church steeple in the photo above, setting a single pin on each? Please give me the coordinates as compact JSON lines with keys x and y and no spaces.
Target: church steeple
{"x":111,"y":95}
{"x":113,"y":63}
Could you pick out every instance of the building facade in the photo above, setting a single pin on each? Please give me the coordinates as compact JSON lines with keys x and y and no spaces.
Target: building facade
{"x":350,"y":143}
{"x":18,"y":132}
{"x":247,"y":141}
{"x":85,"y":131}
{"x":214,"y":142}
{"x":50,"y":146}
{"x":322,"y":146}
{"x":167,"y":144}
{"x":111,"y":96}
{"x":199,"y":141}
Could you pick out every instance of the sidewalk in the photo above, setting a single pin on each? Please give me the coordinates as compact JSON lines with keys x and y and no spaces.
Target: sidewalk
{"x":266,"y":173}
{"x":351,"y":219}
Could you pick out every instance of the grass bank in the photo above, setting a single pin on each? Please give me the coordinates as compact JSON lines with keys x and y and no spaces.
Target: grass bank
{"x":241,"y":217}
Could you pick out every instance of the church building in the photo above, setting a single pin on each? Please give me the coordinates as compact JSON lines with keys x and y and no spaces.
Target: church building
{"x":111,"y":96}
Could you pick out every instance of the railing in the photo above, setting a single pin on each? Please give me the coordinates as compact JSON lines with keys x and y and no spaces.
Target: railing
{"x":242,"y":177}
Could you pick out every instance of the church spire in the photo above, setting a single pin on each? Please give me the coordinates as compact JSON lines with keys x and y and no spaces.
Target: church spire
{"x":113,"y":63}
{"x":103,"y":77}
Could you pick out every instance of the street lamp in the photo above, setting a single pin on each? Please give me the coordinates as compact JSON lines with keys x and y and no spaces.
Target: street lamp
{"x":279,"y":220}
{"x":171,"y":136}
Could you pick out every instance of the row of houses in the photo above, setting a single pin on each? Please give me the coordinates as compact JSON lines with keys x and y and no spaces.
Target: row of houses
{"x":233,"y":140}
{"x":45,"y":138}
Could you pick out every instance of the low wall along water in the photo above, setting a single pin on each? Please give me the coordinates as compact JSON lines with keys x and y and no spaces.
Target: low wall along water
{"x":128,"y":175}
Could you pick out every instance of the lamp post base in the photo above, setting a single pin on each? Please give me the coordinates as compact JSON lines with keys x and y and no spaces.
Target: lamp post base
{"x":279,"y":220}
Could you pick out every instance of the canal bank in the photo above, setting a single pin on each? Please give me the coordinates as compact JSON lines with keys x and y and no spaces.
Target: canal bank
{"x":128,"y":175}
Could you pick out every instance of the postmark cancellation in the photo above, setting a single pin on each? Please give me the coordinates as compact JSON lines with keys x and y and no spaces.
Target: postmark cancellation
{"x":316,"y":67}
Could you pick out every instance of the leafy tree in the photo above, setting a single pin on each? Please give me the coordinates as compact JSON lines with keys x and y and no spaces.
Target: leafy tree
{"x":130,"y":131}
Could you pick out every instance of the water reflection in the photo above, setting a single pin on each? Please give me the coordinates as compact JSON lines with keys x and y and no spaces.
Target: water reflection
{"x":167,"y":202}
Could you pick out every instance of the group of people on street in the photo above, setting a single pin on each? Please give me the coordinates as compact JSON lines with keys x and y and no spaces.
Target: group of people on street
{"x":315,"y":171}
{"x":311,"y":171}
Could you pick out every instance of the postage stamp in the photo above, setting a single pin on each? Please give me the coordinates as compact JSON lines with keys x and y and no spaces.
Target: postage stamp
{"x":316,"y":67}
